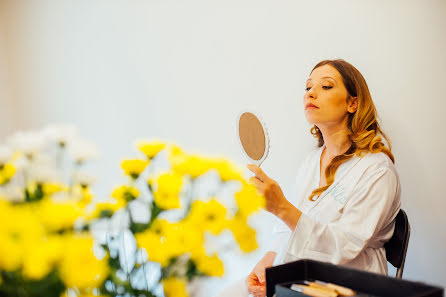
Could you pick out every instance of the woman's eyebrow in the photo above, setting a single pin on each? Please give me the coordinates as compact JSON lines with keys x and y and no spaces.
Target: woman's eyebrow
{"x":308,"y":80}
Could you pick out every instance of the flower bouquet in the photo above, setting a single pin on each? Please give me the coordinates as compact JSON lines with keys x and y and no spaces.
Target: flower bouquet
{"x":157,"y":232}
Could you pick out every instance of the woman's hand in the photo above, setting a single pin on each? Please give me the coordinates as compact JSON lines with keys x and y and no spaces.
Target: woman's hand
{"x":256,"y":281}
{"x":276,"y":203}
{"x":275,"y":200}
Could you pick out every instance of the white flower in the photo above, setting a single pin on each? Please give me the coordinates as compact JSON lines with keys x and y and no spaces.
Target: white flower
{"x":83,"y":178}
{"x":5,"y":154}
{"x":62,"y":134}
{"x":29,"y":143}
{"x":82,"y":151}
{"x":12,"y":193}
{"x":43,"y":174}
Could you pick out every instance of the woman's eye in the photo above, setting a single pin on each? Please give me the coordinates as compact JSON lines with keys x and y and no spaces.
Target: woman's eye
{"x":307,"y":89}
{"x":327,"y":87}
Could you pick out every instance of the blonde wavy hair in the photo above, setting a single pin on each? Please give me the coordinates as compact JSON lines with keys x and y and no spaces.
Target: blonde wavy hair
{"x":363,"y":128}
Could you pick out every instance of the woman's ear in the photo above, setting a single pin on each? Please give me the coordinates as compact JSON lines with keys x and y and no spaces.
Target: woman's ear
{"x":352,"y":104}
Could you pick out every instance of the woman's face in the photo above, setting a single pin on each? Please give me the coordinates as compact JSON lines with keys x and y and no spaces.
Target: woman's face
{"x":325,"y":99}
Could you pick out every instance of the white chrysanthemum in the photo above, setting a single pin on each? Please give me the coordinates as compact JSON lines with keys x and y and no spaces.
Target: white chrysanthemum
{"x":83,"y":178}
{"x":82,"y":151}
{"x":62,"y":134}
{"x":12,"y":193}
{"x":29,"y":143}
{"x":5,"y":154}
{"x":43,"y":174}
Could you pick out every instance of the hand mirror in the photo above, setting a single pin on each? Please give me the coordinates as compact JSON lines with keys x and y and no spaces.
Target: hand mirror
{"x":253,"y":137}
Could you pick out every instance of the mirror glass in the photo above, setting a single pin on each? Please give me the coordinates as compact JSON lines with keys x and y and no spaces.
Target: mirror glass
{"x":253,"y":136}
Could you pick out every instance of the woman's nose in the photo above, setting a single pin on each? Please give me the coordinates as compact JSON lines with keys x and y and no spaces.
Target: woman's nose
{"x":311,"y":94}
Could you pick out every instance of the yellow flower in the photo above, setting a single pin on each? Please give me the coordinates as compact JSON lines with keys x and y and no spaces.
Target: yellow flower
{"x":227,"y":170}
{"x":134,"y":167}
{"x":174,"y":287}
{"x":168,"y":190}
{"x":41,"y":258}
{"x":82,"y":294}
{"x":209,"y":216}
{"x":57,"y":215}
{"x":150,"y":148}
{"x":79,"y":267}
{"x":49,"y":189}
{"x":126,"y":193}
{"x":107,"y":208}
{"x":19,"y":229}
{"x":249,"y":200}
{"x":243,"y":234}
{"x":166,"y":200}
{"x":193,"y":165}
{"x":189,"y":238}
{"x":164,"y":240}
{"x":155,"y":245}
{"x":174,"y":151}
{"x":209,"y":265}
{"x":7,"y":171}
{"x":84,"y":193}
{"x":11,"y":253}
{"x":169,"y":182}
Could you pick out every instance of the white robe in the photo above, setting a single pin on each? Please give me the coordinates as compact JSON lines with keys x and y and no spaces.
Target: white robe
{"x":350,"y":221}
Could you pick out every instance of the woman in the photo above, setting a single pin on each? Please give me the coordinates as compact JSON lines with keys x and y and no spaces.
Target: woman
{"x":348,"y":191}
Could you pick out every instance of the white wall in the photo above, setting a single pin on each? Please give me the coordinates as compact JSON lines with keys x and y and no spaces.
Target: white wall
{"x":182,"y":70}
{"x":7,"y":107}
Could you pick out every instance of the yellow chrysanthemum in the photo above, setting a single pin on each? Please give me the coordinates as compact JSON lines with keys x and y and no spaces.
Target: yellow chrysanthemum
{"x":165,"y":240}
{"x":174,"y":151}
{"x":79,"y":267}
{"x":126,"y":193}
{"x":168,"y":189}
{"x":209,"y":265}
{"x":42,"y":257}
{"x":49,"y":189}
{"x":166,"y":200}
{"x":243,"y":234}
{"x":82,"y":294}
{"x":108,"y":208}
{"x":150,"y":148}
{"x":192,"y":165}
{"x":134,"y":167}
{"x":7,"y":171}
{"x":155,"y":246}
{"x":174,"y":287}
{"x":169,"y":182}
{"x":19,"y":229}
{"x":59,"y":215}
{"x":209,"y":216}
{"x":249,"y":200}
{"x":189,"y":238}
{"x":227,"y":170}
{"x":11,"y":253}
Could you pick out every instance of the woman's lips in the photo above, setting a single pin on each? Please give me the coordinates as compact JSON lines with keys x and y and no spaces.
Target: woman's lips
{"x":309,"y":105}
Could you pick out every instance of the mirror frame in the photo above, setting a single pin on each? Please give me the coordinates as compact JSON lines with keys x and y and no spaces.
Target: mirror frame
{"x":265,"y":133}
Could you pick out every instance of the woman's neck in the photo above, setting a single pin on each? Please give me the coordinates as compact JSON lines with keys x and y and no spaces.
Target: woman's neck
{"x":336,"y":139}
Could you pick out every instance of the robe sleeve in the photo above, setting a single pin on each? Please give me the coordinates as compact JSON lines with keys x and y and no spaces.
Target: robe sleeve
{"x":281,"y":232}
{"x":279,"y":238}
{"x":371,"y":208}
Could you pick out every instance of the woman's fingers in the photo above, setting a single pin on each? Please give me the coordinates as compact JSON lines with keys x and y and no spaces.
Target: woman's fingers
{"x":258,"y":291}
{"x":258,"y":172}
{"x":261,"y":276}
{"x":255,"y":285}
{"x":256,"y":182}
